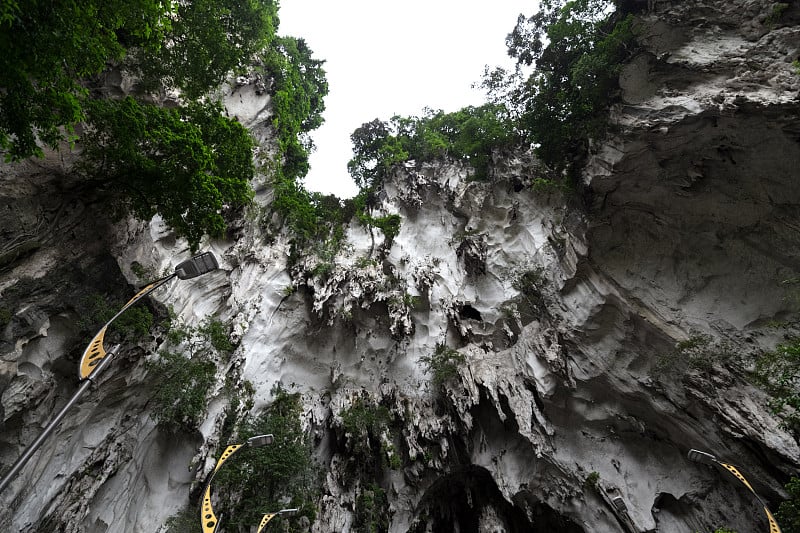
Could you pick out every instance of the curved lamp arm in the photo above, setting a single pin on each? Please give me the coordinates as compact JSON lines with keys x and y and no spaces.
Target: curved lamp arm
{"x":269,"y":516}
{"x":95,"y":358}
{"x":706,"y":458}
{"x":208,"y":519}
{"x":191,"y":268}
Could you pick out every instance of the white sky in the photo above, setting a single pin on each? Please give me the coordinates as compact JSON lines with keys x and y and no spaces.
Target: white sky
{"x":387,"y":58}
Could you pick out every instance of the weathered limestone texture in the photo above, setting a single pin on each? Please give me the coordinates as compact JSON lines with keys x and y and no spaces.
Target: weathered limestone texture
{"x":565,"y":316}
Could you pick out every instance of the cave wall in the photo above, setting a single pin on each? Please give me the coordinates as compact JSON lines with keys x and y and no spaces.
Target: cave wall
{"x":690,"y":228}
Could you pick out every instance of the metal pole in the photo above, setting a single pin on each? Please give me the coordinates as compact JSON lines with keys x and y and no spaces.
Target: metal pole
{"x":9,"y":476}
{"x":706,"y":458}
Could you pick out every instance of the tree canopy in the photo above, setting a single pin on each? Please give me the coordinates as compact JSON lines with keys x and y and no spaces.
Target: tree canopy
{"x":576,"y":49}
{"x":190,"y":164}
{"x":186,"y":164}
{"x":51,"y":52}
{"x":469,"y":134}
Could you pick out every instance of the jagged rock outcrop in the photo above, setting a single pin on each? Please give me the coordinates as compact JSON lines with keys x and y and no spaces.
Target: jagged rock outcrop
{"x":561,"y":399}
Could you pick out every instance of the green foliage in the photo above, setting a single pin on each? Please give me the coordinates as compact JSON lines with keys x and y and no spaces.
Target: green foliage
{"x":592,"y":480}
{"x":578,"y":48}
{"x":266,"y":478}
{"x":470,"y":134}
{"x":299,"y":89}
{"x":778,"y":8}
{"x":363,"y":423}
{"x":218,"y":334}
{"x":788,"y":514}
{"x":778,"y":372}
{"x":372,"y":510}
{"x":375,"y":150}
{"x":186,"y":521}
{"x":48,"y":48}
{"x":132,"y":325}
{"x":182,"y":385}
{"x":144,"y":274}
{"x":443,"y":364}
{"x":208,"y":39}
{"x":531,"y":284}
{"x":184,"y":375}
{"x":51,"y":51}
{"x":389,"y":225}
{"x":165,"y":160}
{"x":698,"y":352}
{"x":190,"y":165}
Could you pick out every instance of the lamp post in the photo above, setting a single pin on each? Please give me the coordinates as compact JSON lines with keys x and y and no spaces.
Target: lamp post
{"x":708,"y":459}
{"x":208,"y":520}
{"x":95,"y":359}
{"x":269,"y":516}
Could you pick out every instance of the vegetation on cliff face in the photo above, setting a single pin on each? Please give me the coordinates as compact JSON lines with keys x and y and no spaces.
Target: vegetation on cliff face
{"x":190,"y":164}
{"x":470,"y":135}
{"x":51,"y":53}
{"x":576,"y":49}
{"x":187,"y":164}
{"x":778,"y":371}
{"x":185,"y":372}
{"x":277,"y":476}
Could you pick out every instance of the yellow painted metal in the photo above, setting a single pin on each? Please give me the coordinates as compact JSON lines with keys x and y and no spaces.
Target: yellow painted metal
{"x":95,"y":352}
{"x":209,"y":519}
{"x":773,"y":525}
{"x":267,"y":518}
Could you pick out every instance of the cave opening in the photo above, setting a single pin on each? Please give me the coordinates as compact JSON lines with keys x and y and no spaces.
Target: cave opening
{"x":469,"y":501}
{"x":466,"y":311}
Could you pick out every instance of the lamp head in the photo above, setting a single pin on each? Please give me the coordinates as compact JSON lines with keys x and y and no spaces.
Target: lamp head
{"x":701,"y":457}
{"x":196,"y":266}
{"x":260,"y":440}
{"x":288,"y":512}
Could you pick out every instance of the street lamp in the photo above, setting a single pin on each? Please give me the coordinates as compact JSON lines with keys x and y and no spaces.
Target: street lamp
{"x":270,"y":516}
{"x":191,"y":268}
{"x":95,"y":358}
{"x":708,"y":459}
{"x":209,"y":520}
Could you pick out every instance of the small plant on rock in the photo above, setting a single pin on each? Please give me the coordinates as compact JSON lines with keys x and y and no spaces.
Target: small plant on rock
{"x":443,"y":365}
{"x":179,"y":399}
{"x":778,"y":372}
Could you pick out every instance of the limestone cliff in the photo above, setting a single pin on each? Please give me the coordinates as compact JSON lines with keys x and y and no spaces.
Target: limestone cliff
{"x":568,"y":393}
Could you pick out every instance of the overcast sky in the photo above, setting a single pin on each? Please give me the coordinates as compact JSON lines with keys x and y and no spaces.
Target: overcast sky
{"x":385,"y":58}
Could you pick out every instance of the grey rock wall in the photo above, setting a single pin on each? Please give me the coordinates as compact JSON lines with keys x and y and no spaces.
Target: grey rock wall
{"x":562,"y":313}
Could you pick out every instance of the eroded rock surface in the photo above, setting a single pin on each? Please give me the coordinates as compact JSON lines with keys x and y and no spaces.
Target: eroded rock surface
{"x":563,"y":315}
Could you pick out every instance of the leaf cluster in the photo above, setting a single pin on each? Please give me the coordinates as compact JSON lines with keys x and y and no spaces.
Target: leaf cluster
{"x":788,"y":514}
{"x":778,"y":372}
{"x":187,"y":164}
{"x":264,"y":478}
{"x":371,"y":510}
{"x":443,"y":364}
{"x":53,"y":51}
{"x":577,"y":48}
{"x":207,"y":40}
{"x":364,"y":423}
{"x":185,"y":374}
{"x":470,"y":134}
{"x":180,"y":395}
{"x":95,"y":310}
{"x":299,"y":90}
